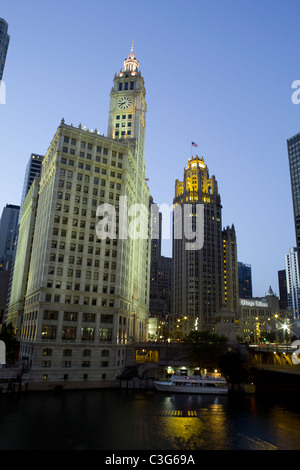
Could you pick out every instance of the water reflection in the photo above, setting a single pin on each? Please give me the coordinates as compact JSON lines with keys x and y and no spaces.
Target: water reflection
{"x":131,"y":420}
{"x":193,"y":422}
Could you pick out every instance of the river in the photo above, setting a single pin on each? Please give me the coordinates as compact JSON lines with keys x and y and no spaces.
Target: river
{"x":147,"y":420}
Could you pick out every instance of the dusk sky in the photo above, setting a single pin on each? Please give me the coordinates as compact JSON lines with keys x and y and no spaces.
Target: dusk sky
{"x":217,"y":72}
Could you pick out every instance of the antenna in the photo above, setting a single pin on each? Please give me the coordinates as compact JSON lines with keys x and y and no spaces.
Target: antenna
{"x":132,"y":46}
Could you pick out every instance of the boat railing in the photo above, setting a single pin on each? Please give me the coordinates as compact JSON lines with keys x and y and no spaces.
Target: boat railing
{"x":198,"y":377}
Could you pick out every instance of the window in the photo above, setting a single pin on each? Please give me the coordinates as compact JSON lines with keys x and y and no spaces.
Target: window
{"x":47,"y":352}
{"x":48,"y":332}
{"x":68,"y":333}
{"x":66,"y":364}
{"x":105,"y":334}
{"x":87,"y":334}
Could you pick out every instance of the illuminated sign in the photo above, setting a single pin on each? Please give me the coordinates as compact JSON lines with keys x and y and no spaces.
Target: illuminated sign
{"x":253,"y":303}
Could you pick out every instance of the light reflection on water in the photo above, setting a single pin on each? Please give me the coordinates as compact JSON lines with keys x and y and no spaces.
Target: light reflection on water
{"x":147,"y":420}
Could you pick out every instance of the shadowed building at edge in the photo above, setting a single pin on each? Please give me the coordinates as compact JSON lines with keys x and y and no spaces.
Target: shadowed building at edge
{"x":4,"y":42}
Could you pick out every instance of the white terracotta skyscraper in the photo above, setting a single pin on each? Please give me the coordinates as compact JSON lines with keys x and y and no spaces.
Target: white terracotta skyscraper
{"x":87,"y":297}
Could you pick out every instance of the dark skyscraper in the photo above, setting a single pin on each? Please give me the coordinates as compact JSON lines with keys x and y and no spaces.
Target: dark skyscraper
{"x":282,"y":289}
{"x":293,"y":145}
{"x":4,"y":41}
{"x":33,"y":169}
{"x":8,"y":236}
{"x":231,"y":284}
{"x":8,"y":229}
{"x":160,"y":275}
{"x":245,"y":281}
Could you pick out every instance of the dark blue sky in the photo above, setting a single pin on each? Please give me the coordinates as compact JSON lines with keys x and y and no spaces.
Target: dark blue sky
{"x":217,"y":72}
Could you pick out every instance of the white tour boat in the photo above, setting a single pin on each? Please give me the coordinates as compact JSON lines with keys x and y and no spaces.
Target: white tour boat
{"x":193,"y":384}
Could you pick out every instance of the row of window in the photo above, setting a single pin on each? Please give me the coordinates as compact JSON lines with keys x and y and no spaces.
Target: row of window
{"x":79,"y":235}
{"x":68,"y":352}
{"x":89,"y":146}
{"x":86,"y":178}
{"x":73,"y":316}
{"x":122,"y":133}
{"x":61,"y":258}
{"x":88,"y":156}
{"x":126,"y":86}
{"x":70,"y":332}
{"x":66,"y":376}
{"x":76,"y":300}
{"x":68,"y":364}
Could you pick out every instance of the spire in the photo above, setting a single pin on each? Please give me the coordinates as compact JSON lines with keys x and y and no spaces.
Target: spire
{"x":131,"y":64}
{"x":270,"y":291}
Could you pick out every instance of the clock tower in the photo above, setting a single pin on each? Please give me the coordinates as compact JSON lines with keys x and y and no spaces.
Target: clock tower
{"x":127,"y":112}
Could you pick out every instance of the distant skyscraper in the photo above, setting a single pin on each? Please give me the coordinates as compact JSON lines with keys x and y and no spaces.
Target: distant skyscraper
{"x":33,"y":169}
{"x":21,"y":260}
{"x":231,"y":282}
{"x":282,"y":289}
{"x":293,"y":281}
{"x":197,"y":291}
{"x":245,"y":280}
{"x":8,"y":229}
{"x":8,"y":236}
{"x":293,"y":145}
{"x":4,"y":41}
{"x":160,"y":276}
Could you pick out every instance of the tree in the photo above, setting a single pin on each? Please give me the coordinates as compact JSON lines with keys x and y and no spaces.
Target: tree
{"x":234,"y":367}
{"x":205,"y":348}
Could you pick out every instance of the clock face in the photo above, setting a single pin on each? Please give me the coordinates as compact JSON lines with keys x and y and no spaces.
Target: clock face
{"x":124,"y":102}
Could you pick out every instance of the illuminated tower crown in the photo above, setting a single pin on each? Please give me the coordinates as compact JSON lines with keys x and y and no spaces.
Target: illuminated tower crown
{"x":131,"y":64}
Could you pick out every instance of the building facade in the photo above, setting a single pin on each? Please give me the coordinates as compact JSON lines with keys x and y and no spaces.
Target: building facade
{"x":4,"y":42}
{"x":282,"y":284}
{"x":231,"y":282}
{"x":293,"y":147}
{"x":160,"y":281}
{"x":8,"y":229}
{"x":21,"y":264}
{"x":33,"y":169}
{"x":87,"y":294}
{"x":293,"y":281}
{"x":8,"y":241}
{"x":261,"y":319}
{"x":198,"y":292}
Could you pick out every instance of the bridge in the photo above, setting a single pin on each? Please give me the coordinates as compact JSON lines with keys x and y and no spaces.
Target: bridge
{"x":275,"y":357}
{"x":274,"y":367}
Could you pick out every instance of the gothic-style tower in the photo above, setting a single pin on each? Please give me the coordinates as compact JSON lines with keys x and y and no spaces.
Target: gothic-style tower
{"x":198,"y":274}
{"x":127,"y":112}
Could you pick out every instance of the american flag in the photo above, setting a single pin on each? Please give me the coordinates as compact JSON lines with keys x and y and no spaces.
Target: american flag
{"x":194,"y":144}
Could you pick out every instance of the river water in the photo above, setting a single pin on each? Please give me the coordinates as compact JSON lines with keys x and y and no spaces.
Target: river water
{"x":148,"y":420}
